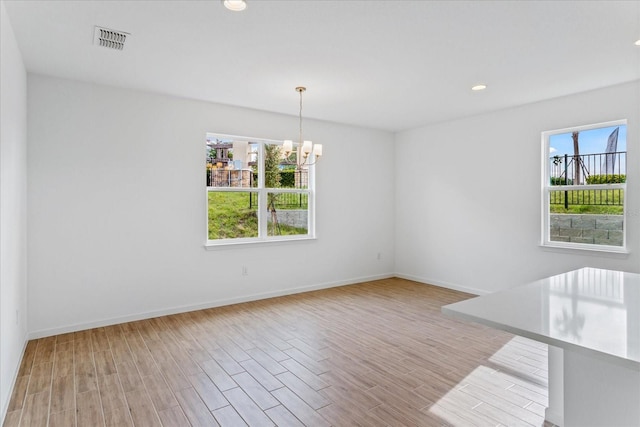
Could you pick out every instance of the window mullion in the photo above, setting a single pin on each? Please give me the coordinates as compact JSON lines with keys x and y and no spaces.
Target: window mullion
{"x":262,"y":194}
{"x":311,"y":199}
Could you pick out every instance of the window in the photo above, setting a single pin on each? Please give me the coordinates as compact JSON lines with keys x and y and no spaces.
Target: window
{"x":584,"y":187}
{"x":255,"y":193}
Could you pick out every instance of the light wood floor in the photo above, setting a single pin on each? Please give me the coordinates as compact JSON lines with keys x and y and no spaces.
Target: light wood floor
{"x":373,"y":354}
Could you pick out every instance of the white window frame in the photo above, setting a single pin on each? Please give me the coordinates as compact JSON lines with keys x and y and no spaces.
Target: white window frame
{"x":547,"y":188}
{"x":262,"y":201}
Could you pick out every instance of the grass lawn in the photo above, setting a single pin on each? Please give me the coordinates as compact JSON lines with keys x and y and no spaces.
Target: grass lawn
{"x":580,"y":202}
{"x":230,"y":217}
{"x":586,"y":209}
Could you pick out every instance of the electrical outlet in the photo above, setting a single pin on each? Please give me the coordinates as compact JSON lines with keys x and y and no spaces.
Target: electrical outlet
{"x":379,"y":256}
{"x":245,"y":270}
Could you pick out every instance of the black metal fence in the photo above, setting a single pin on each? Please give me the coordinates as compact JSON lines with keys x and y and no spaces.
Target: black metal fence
{"x":599,"y":168}
{"x":613,"y":197}
{"x":230,"y":178}
{"x":585,"y":170}
{"x":284,"y":200}
{"x":220,"y":177}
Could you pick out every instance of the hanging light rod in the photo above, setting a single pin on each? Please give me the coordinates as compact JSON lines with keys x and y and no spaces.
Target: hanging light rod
{"x":305,"y":148}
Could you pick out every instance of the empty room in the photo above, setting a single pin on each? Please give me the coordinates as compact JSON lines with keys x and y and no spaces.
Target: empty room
{"x":319,"y":213}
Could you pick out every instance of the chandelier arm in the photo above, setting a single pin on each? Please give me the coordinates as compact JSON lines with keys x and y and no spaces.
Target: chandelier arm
{"x":310,"y":163}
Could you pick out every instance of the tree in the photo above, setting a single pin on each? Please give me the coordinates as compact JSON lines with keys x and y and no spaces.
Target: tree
{"x":577,"y":161}
{"x":272,"y":156}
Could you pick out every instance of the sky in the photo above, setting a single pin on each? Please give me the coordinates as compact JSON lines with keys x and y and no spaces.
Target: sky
{"x":590,"y":141}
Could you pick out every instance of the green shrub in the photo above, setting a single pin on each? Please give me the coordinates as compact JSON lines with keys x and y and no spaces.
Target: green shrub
{"x":607,"y":179}
{"x":288,"y":178}
{"x":558,"y":180}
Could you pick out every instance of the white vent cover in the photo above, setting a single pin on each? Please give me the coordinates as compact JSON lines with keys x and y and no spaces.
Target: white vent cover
{"x":109,"y":38}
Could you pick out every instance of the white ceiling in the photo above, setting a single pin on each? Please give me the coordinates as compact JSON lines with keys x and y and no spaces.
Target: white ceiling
{"x":390,"y":65}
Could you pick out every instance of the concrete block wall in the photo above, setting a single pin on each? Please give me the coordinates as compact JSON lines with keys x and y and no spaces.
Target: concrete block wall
{"x":591,"y":229}
{"x":293,"y":218}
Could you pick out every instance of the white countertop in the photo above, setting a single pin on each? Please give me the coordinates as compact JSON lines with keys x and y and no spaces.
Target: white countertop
{"x":592,"y":311}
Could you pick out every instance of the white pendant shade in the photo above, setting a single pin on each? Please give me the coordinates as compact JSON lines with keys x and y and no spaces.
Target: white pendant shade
{"x":306,"y":147}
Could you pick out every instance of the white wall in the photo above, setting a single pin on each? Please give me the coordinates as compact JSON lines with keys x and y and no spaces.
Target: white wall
{"x":468,"y":194}
{"x":13,"y":209}
{"x":117,"y":217}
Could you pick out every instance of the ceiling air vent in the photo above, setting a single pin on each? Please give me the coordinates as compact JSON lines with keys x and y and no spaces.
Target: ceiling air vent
{"x":109,"y":38}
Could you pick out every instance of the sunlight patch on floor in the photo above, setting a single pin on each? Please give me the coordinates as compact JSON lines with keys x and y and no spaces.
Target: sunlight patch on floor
{"x":510,"y":389}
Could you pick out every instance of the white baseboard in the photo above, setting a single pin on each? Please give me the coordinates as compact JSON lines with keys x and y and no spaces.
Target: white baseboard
{"x":185,"y":308}
{"x":5,"y":405}
{"x":442,"y":284}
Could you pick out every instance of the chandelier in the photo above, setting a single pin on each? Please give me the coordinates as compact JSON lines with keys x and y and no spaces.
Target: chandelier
{"x":307,"y":153}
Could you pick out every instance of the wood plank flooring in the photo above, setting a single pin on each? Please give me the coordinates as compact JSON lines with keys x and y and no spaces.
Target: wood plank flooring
{"x":374,"y":354}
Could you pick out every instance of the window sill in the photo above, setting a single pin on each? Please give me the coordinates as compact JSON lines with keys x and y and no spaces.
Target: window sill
{"x":212,"y":245}
{"x":576,"y":248}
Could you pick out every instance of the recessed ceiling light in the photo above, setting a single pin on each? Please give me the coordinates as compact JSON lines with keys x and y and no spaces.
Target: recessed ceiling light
{"x":637,"y":43}
{"x":479,"y":87}
{"x":235,"y":5}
